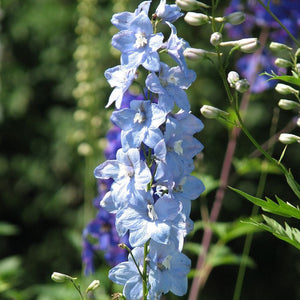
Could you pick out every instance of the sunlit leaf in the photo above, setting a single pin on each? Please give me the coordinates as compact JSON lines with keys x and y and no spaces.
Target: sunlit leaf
{"x":288,"y":234}
{"x":284,"y":209}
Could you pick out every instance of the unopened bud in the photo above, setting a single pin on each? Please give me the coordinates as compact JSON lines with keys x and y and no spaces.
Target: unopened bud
{"x":232,"y":78}
{"x":282,"y":63}
{"x":287,"y":138}
{"x":211,"y":112}
{"x":288,"y":104}
{"x":242,"y":85}
{"x":196,"y":19}
{"x":196,"y":54}
{"x":248,"y":45}
{"x":277,"y":47}
{"x":189,"y":5}
{"x":216,"y":38}
{"x":285,"y":89}
{"x":60,"y":277}
{"x":235,"y":18}
{"x":298,"y":68}
{"x":298,"y":122}
{"x":93,"y":285}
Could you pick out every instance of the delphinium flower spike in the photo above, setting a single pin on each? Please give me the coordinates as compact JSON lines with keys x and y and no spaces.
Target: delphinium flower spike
{"x":151,"y":183}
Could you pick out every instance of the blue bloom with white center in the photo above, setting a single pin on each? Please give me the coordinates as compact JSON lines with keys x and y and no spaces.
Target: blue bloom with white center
{"x":138,"y":44}
{"x":119,"y":77}
{"x":140,"y":124}
{"x":175,"y":47}
{"x":168,"y":269}
{"x":147,"y":219}
{"x":130,"y":174}
{"x":169,"y":85}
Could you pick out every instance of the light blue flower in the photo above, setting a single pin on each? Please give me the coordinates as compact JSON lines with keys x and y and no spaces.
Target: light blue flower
{"x":130,"y":175}
{"x":122,"y":20}
{"x":147,"y":219}
{"x":140,"y":124}
{"x":169,"y":86}
{"x":119,"y":77}
{"x":181,"y":148}
{"x":127,"y":274}
{"x":168,"y":13}
{"x":138,"y":44}
{"x":175,"y":47}
{"x":168,"y":269}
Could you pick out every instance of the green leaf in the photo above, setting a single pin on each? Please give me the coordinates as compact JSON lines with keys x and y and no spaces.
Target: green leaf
{"x":254,"y":165}
{"x":287,"y":79}
{"x":282,"y":208}
{"x":222,"y":255}
{"x":8,"y":229}
{"x":193,"y":248}
{"x":288,"y":234}
{"x":292,"y":183}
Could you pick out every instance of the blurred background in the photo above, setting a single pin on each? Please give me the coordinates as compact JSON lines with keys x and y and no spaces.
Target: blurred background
{"x":53,"y":54}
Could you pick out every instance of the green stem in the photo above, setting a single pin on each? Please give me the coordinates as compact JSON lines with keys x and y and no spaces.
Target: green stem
{"x":255,"y":209}
{"x":267,"y":8}
{"x":145,"y":289}
{"x":77,"y":287}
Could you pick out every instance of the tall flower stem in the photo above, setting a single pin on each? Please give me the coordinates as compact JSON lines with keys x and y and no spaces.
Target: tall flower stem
{"x":249,"y":236}
{"x":198,"y":283}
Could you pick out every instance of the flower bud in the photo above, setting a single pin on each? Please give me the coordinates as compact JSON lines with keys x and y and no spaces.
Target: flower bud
{"x":282,"y":63}
{"x":298,"y":68}
{"x":60,"y":277}
{"x":285,"y":89}
{"x":196,"y":54}
{"x":196,"y":19}
{"x":189,"y":5}
{"x":247,"y":45}
{"x":93,"y":285}
{"x":235,"y":18}
{"x":211,"y":112}
{"x":277,"y":47}
{"x":287,"y":138}
{"x":232,"y":78}
{"x":288,"y":104}
{"x":298,"y":122}
{"x":216,"y":38}
{"x":242,"y":85}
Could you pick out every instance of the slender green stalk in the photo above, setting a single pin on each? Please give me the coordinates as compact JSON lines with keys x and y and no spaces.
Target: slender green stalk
{"x":267,"y":8}
{"x":77,"y":287}
{"x":145,"y":289}
{"x":255,"y":209}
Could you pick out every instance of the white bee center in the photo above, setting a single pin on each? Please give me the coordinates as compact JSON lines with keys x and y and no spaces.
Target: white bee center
{"x":165,"y":264}
{"x":139,"y":117}
{"x":151,"y":212}
{"x":173,"y":79}
{"x":178,"y":147}
{"x":141,"y":40}
{"x":126,"y":171}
